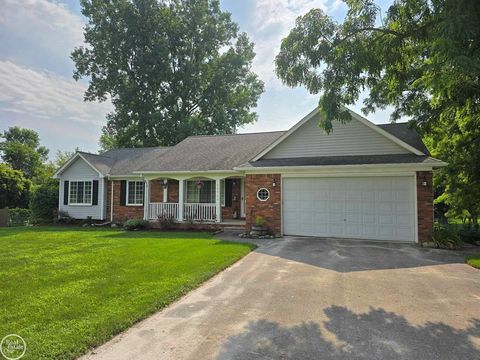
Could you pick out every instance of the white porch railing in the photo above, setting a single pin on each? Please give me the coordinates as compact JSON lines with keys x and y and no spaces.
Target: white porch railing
{"x":199,"y":211}
{"x":191,"y":211}
{"x":169,"y":210}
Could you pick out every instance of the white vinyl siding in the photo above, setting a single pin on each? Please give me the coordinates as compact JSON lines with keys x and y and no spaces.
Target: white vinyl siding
{"x":79,"y":170}
{"x":352,"y":138}
{"x":376,"y":207}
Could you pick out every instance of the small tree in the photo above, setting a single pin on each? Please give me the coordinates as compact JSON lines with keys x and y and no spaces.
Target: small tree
{"x":44,"y":201}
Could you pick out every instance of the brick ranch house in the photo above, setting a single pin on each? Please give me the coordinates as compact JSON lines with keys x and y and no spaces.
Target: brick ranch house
{"x":361,"y":181}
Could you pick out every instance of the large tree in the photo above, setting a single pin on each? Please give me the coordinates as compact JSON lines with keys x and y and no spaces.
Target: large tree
{"x":422,"y":58}
{"x":21,"y":150}
{"x":171,"y":68}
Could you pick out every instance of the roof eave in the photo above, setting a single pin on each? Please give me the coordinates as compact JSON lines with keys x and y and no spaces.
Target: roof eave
{"x":413,"y":166}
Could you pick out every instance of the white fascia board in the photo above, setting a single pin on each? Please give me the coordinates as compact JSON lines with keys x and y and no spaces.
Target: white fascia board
{"x":345,"y":168}
{"x":125,"y":177}
{"x":70,"y":161}
{"x":184,"y":172}
{"x":184,"y":175}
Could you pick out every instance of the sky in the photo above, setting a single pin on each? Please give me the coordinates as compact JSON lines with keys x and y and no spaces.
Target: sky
{"x":37,"y":90}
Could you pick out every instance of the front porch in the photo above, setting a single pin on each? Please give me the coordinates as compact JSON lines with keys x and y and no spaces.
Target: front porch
{"x":198,"y":199}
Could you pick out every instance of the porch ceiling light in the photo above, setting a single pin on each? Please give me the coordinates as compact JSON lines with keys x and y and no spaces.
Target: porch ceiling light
{"x":165,"y":183}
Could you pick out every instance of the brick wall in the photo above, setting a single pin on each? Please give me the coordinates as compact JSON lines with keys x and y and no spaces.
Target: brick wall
{"x":121,"y":213}
{"x":270,"y":210}
{"x":172,"y":191}
{"x":424,"y":206}
{"x":156,"y":191}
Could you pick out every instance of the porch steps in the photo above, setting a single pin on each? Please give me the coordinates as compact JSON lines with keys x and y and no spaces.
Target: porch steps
{"x":234,"y":228}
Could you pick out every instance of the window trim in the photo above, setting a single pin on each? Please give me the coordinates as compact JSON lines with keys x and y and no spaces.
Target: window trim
{"x":268,"y":192}
{"x":126,"y":193}
{"x":70,"y":189}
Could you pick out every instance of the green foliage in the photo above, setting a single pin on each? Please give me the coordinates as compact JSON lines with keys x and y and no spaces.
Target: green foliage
{"x":14,"y":187}
{"x":44,"y":202}
{"x":259,"y":221}
{"x":445,"y":236}
{"x":61,"y":157}
{"x":172,"y":69}
{"x":83,"y":286}
{"x":19,"y":216}
{"x":136,"y":224}
{"x":166,"y":222}
{"x":470,"y":235}
{"x":422,"y":58}
{"x":474,"y":260}
{"x":22,"y":151}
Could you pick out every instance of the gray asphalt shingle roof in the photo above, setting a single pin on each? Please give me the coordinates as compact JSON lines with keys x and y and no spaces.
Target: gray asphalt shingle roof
{"x":225,"y":152}
{"x":407,"y":134}
{"x":122,"y":161}
{"x":204,"y":153}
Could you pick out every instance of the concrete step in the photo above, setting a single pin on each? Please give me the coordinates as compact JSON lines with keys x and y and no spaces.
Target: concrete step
{"x":234,"y":228}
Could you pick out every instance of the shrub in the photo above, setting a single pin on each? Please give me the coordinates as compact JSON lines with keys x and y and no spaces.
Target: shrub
{"x":19,"y":216}
{"x":259,"y":221}
{"x":470,"y":235}
{"x":166,"y":222}
{"x":445,"y":236}
{"x":64,"y":218}
{"x":136,"y":224}
{"x":44,"y":202}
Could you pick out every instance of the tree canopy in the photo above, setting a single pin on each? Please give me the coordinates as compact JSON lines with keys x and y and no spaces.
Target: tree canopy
{"x":22,"y":151}
{"x":422,"y":57}
{"x":171,"y":68}
{"x":14,"y":187}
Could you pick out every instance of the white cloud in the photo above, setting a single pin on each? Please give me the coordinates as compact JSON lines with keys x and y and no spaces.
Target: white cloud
{"x":41,"y":23}
{"x":44,"y":95}
{"x":273,"y":19}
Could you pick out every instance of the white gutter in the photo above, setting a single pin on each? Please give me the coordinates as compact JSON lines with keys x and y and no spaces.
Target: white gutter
{"x":417,"y":166}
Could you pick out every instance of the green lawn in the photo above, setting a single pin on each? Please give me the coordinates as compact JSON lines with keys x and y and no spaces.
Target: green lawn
{"x":474,"y":260}
{"x":65,"y":290}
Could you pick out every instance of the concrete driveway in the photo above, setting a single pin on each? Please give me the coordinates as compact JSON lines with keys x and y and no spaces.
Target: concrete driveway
{"x":305,"y":298}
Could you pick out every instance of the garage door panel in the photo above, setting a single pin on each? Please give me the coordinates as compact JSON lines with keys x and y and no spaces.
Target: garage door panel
{"x":365,"y":207}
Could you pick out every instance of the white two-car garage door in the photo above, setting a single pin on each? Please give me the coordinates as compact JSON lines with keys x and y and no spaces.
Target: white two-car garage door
{"x":380,"y":208}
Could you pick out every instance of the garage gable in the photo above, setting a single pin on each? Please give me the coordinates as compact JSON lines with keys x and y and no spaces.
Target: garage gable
{"x":357,"y":137}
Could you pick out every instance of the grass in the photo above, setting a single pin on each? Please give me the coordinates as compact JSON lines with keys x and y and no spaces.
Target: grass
{"x":65,"y":290}
{"x":474,"y":260}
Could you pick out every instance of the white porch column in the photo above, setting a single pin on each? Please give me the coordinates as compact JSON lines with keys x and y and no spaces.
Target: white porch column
{"x":165,"y":191}
{"x":218,"y":207}
{"x":146,"y":200}
{"x":181,"y":197}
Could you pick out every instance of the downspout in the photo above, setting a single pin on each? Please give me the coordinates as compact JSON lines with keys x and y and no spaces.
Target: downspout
{"x":111,"y":204}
